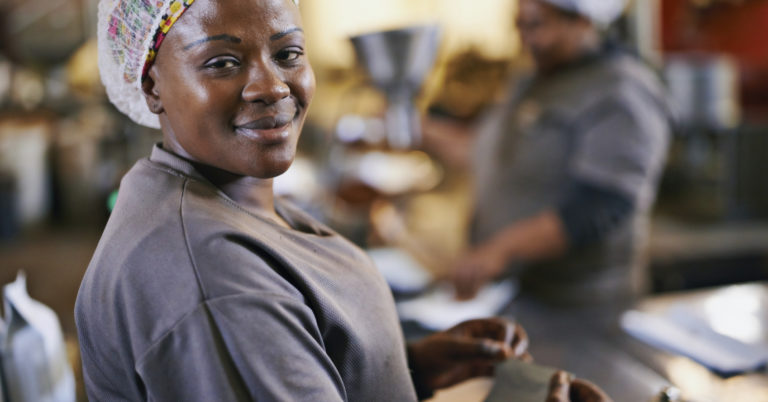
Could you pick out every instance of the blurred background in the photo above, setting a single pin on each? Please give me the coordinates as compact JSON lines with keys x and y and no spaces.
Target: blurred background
{"x":64,"y":148}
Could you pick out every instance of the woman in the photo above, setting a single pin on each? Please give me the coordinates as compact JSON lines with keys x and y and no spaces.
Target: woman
{"x":204,"y":287}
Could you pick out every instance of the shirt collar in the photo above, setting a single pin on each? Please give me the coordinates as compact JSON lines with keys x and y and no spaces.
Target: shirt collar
{"x":296,"y":219}
{"x":173,"y":161}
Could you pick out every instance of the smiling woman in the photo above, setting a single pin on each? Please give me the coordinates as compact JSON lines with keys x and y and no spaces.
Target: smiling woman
{"x":236,"y":83}
{"x":204,"y":287}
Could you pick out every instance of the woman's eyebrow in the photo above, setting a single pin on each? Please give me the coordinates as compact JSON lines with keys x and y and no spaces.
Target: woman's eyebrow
{"x":225,"y":37}
{"x":284,"y":33}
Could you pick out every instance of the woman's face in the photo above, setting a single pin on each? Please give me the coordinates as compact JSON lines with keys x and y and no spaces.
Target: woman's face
{"x":232,"y":84}
{"x":549,"y":36}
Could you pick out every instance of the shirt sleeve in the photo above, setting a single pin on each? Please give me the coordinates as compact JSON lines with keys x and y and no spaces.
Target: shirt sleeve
{"x":590,"y":212}
{"x":623,"y":146}
{"x":242,"y":348}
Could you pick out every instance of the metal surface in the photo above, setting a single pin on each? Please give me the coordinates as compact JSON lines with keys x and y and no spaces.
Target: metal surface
{"x":704,"y":89}
{"x":397,"y":62}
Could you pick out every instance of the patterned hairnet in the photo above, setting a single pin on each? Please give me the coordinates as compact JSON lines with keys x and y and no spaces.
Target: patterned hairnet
{"x":129,"y":34}
{"x":601,"y":12}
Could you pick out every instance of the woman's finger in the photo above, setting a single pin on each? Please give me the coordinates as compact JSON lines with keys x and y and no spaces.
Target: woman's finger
{"x":479,"y":350}
{"x":463,"y":281}
{"x":496,"y":328}
{"x":520,"y":341}
{"x":466,"y":288}
{"x":585,"y":391}
{"x":482,"y":369}
{"x":559,"y":388}
{"x":510,"y":332}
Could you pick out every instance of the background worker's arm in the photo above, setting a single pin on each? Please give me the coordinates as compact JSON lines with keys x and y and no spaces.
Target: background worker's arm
{"x":586,"y":216}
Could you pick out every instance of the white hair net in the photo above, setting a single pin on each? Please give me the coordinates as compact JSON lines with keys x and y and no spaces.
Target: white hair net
{"x":600,"y":12}
{"x":129,"y":33}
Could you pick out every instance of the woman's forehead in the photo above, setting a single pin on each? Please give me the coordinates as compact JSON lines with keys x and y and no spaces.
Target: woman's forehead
{"x":238,"y":16}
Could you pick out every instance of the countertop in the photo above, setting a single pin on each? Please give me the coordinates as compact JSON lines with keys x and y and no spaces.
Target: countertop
{"x":589,"y":343}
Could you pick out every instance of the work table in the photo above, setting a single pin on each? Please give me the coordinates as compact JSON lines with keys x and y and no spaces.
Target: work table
{"x":589,"y":343}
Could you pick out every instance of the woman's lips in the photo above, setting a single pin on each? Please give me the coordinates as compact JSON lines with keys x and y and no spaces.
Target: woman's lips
{"x":267,"y":130}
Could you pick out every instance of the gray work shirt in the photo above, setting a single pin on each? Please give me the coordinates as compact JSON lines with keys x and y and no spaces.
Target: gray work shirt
{"x":604,"y":121}
{"x":190,"y":297}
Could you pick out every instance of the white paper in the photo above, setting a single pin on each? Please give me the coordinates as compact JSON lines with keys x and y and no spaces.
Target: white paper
{"x":401,"y":271}
{"x":33,"y":351}
{"x":438,"y":309}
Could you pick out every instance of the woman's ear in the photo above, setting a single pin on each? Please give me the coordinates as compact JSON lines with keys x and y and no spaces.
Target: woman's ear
{"x":152,"y":93}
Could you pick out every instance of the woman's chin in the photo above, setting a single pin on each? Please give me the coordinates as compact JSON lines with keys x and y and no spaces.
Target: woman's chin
{"x":275,"y":168}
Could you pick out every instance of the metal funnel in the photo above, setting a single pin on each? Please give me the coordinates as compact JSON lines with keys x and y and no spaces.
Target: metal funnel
{"x":397,"y":62}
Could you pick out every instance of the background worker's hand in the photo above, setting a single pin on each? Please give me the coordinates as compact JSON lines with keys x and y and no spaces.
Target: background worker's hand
{"x":563,"y":389}
{"x":475,"y":269}
{"x":468,"y":350}
{"x":536,"y":238}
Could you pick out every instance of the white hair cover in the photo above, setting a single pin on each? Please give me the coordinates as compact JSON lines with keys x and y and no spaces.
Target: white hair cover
{"x":600,"y":12}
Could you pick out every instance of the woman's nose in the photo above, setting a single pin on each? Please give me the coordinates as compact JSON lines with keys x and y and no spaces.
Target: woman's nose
{"x":266,"y":85}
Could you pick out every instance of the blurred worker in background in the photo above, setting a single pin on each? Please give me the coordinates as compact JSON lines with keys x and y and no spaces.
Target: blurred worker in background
{"x":567,"y":169}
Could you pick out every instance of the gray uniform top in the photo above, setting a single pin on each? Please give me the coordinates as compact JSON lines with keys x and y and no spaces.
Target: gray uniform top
{"x":604,"y":121}
{"x":190,"y":297}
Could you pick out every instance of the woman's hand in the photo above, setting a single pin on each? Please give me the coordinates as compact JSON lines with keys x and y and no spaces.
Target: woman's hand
{"x":563,"y":389}
{"x":468,"y":350}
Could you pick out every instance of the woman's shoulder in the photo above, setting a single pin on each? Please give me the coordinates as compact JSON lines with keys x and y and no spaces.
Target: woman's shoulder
{"x":233,"y":251}
{"x":169,"y":246}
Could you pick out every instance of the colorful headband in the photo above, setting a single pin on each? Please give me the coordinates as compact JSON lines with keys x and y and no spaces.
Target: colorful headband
{"x":175,"y":10}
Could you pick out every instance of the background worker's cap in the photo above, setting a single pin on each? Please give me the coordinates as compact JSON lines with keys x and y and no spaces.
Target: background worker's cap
{"x":600,"y":12}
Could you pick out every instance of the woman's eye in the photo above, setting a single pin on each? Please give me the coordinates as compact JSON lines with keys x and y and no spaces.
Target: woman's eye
{"x":289,"y":54}
{"x":220,"y":63}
